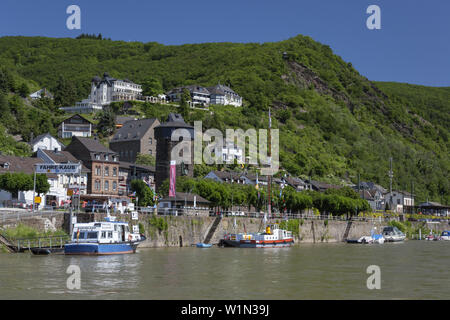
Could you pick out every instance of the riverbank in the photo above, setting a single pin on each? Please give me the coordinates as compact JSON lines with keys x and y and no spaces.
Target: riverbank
{"x":185,"y":231}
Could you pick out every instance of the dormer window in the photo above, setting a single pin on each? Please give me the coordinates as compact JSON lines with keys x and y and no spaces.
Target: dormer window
{"x":6,"y":165}
{"x":97,"y":157}
{"x":106,"y":157}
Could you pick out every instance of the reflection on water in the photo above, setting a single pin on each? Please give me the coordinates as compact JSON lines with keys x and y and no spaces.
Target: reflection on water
{"x":410,"y":270}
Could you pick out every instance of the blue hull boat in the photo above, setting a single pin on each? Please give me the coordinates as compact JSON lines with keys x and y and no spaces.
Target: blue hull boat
{"x":99,"y":248}
{"x":204,"y":245}
{"x":102,"y":238}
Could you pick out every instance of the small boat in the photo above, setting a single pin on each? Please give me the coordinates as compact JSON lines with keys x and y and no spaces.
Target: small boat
{"x":45,"y":251}
{"x":203,"y":245}
{"x":273,"y":237}
{"x":393,"y":234}
{"x":102,"y":238}
{"x":445,"y":235}
{"x":373,"y":238}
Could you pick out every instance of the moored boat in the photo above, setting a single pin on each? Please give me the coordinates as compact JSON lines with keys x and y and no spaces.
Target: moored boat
{"x":272,"y":237}
{"x":445,"y":235}
{"x":203,"y":245}
{"x":393,"y":234}
{"x":102,"y":238}
{"x":373,"y":238}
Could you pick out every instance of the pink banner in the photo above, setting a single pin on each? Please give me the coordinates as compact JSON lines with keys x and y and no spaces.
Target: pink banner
{"x":172,"y":178}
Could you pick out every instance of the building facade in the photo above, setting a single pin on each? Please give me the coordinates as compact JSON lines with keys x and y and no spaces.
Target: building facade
{"x":224,"y":95}
{"x":103,"y":165}
{"x":75,"y":126}
{"x":46,"y":142}
{"x":104,"y":91}
{"x":136,"y":136}
{"x":199,"y":95}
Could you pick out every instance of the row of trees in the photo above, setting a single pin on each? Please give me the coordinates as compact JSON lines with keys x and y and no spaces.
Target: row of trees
{"x":222,"y":195}
{"x":19,"y":181}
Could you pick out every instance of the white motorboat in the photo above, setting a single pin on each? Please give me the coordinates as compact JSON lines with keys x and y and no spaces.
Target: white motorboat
{"x":393,"y":234}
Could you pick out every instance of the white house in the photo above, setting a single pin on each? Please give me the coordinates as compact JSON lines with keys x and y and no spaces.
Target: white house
{"x":104,"y":91}
{"x":398,"y":201}
{"x":59,"y":187}
{"x":77,"y":126}
{"x":46,"y":142}
{"x":199,"y":95}
{"x":43,"y":93}
{"x":15,"y":164}
{"x":224,"y":95}
{"x":229,"y":154}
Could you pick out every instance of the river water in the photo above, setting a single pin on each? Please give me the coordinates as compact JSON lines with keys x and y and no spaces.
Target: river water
{"x":409,"y":270}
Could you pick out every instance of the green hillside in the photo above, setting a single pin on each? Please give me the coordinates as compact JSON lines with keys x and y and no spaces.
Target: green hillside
{"x":334,"y":123}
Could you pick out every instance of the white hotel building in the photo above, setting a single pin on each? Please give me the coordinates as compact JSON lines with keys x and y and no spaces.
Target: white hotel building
{"x":104,"y":91}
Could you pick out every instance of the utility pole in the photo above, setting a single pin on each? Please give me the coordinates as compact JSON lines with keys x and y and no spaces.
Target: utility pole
{"x":391,"y":175}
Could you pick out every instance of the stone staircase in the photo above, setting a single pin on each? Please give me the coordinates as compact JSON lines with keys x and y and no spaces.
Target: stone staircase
{"x":213,"y":229}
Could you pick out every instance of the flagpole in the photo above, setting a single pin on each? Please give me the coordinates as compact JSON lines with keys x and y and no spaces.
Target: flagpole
{"x":34,"y":188}
{"x":269,"y":180}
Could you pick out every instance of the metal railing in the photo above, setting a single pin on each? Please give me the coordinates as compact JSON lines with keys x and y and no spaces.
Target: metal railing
{"x":22,"y":244}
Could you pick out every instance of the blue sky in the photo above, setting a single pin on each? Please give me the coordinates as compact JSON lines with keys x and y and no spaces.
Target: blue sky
{"x":412,"y":46}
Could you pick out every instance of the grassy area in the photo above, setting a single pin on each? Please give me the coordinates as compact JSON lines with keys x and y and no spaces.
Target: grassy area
{"x":24,"y":231}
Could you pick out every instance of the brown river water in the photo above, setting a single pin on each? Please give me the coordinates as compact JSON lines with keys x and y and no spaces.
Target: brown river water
{"x":409,"y":270}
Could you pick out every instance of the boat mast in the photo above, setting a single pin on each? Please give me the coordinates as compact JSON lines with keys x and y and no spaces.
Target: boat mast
{"x":269,"y":177}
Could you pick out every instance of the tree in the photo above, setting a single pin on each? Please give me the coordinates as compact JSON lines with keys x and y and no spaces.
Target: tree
{"x":42,"y":185}
{"x":184,"y":106}
{"x":107,"y":123}
{"x":15,"y":182}
{"x":151,"y":87}
{"x":24,"y":91}
{"x":143,"y":193}
{"x":65,"y":93}
{"x":145,"y":159}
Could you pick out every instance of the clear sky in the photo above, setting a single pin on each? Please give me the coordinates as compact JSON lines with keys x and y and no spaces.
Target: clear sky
{"x":412,"y":46}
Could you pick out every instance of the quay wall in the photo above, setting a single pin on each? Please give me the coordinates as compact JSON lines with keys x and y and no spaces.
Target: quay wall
{"x":176,"y":231}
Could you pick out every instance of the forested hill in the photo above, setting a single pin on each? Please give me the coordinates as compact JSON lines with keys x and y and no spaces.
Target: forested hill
{"x":334,"y":122}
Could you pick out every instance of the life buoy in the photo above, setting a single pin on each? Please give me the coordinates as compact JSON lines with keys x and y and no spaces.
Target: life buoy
{"x":130,"y":237}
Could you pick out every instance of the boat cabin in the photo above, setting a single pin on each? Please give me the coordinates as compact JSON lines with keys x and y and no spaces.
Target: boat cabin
{"x":103,"y":232}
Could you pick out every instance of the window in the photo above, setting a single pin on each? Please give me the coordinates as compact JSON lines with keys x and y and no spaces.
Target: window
{"x":106,"y":185}
{"x":97,"y":184}
{"x":106,"y":157}
{"x":92,"y":235}
{"x":98,"y":171}
{"x":114,"y":186}
{"x":106,"y":171}
{"x":150,"y":152}
{"x":114,"y":172}
{"x":150,"y":140}
{"x":110,"y":234}
{"x":97,"y":156}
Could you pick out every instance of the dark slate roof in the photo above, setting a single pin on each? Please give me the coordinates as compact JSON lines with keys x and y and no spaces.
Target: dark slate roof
{"x":221,"y":89}
{"x":20,"y":164}
{"x":181,"y":196}
{"x":134,"y":129}
{"x":175,"y":120}
{"x":129,"y":165}
{"x":430,"y":204}
{"x":64,"y":157}
{"x":93,"y":145}
{"x":225,"y":175}
{"x":322,"y":185}
{"x":191,"y":88}
{"x":77,"y":115}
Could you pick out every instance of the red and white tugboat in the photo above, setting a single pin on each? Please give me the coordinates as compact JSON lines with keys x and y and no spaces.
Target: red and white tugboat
{"x":274,"y":237}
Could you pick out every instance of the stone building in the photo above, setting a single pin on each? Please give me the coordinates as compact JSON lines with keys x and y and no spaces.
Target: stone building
{"x":136,"y":136}
{"x":165,"y":145}
{"x":103,"y":163}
